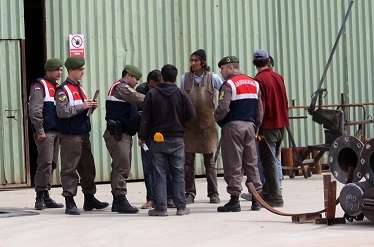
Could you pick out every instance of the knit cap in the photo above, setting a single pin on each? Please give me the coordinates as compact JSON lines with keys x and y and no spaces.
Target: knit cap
{"x":200,"y":53}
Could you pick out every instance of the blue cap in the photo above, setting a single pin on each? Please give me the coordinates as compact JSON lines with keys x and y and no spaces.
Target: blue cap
{"x":260,"y":55}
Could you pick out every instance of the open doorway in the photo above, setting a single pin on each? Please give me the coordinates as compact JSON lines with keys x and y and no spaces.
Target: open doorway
{"x":35,"y":56}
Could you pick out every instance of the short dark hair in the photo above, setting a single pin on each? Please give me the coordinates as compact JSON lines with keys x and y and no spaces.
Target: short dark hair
{"x":271,"y":61}
{"x":169,"y":73}
{"x":124,"y":73}
{"x":260,"y":63}
{"x":154,"y":75}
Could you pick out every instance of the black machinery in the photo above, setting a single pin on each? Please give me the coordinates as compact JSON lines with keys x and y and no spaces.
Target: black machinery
{"x":333,"y":120}
{"x":350,"y":159}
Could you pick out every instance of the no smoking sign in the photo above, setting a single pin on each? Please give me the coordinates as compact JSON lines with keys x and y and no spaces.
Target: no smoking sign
{"x":76,"y":44}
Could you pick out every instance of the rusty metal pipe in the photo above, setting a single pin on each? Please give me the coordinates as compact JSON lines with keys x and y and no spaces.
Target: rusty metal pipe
{"x":367,"y":204}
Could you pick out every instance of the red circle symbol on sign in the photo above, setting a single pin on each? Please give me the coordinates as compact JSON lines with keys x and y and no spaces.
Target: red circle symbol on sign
{"x":77,"y":41}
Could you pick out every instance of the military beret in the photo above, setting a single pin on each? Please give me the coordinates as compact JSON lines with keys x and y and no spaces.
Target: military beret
{"x":134,"y":71}
{"x":228,"y":59}
{"x":53,"y":64}
{"x":74,"y":62}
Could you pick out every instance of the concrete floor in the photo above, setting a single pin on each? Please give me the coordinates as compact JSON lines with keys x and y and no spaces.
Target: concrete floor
{"x":203,"y":227}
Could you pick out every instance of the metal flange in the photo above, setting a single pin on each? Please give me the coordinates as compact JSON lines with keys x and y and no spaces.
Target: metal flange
{"x":367,"y":161}
{"x":344,"y":153}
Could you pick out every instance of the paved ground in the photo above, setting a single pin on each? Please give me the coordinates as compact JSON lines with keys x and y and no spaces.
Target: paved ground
{"x":203,"y":227}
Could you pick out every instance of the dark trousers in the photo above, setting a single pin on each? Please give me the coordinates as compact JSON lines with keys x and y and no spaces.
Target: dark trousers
{"x":210,"y":171}
{"x":76,"y":158}
{"x":47,"y":160}
{"x":120,"y":151}
{"x":149,"y":180}
{"x":168,"y":157}
{"x":269,"y":149}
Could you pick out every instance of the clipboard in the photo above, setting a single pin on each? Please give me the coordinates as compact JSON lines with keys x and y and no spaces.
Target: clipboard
{"x":93,"y":98}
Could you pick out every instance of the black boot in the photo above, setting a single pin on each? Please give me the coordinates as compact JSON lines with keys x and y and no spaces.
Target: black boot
{"x":39,"y":200}
{"x":115,"y":204}
{"x":71,"y":207}
{"x":90,"y":202}
{"x":49,"y":202}
{"x":122,"y":205}
{"x":256,"y":206}
{"x":232,"y":206}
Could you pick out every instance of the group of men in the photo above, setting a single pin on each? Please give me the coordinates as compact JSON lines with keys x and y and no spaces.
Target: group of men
{"x":175,"y":124}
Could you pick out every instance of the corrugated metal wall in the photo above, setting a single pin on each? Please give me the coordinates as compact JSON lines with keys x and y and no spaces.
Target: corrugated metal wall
{"x":12,"y":159}
{"x":298,"y":33}
{"x":11,"y":19}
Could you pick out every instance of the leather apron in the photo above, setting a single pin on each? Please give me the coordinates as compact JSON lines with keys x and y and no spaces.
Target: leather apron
{"x":201,"y":132}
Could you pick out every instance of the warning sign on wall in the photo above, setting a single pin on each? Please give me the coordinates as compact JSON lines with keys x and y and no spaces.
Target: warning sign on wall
{"x":76,"y":44}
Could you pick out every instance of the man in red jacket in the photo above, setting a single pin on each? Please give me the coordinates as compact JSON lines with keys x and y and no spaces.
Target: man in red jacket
{"x":275,"y":105}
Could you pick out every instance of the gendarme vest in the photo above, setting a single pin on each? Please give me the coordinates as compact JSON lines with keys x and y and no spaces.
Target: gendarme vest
{"x":243,"y":100}
{"x":120,"y":110}
{"x":49,"y":104}
{"x":80,"y":123}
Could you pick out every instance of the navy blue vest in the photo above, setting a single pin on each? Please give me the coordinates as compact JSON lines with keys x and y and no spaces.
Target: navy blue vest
{"x":120,"y":110}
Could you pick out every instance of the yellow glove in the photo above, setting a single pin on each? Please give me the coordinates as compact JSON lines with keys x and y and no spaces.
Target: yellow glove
{"x":158,"y":137}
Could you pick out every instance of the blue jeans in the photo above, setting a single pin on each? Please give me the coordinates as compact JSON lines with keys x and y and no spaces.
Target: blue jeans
{"x":168,"y":157}
{"x":148,"y":176}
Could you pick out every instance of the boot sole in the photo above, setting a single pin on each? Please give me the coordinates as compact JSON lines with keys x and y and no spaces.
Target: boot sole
{"x":54,"y":206}
{"x":229,"y":210}
{"x":85,"y":208}
{"x":40,"y":207}
{"x":158,"y":213}
{"x":127,"y":212}
{"x":117,"y":210}
{"x":72,"y":213}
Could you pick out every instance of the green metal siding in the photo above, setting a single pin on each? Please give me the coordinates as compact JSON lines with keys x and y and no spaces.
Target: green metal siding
{"x":11,"y":19}
{"x":12,"y":160}
{"x":299,"y":34}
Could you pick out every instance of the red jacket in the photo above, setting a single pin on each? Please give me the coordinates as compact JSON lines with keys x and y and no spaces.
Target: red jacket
{"x":274,"y":99}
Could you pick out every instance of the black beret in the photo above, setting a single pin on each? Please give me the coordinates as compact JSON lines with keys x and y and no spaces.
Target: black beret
{"x":53,"y":64}
{"x":228,"y":59}
{"x":74,"y":62}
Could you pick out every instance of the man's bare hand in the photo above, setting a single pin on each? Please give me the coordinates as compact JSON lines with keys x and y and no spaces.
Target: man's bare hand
{"x":90,"y":104}
{"x":42,"y":137}
{"x":141,"y":143}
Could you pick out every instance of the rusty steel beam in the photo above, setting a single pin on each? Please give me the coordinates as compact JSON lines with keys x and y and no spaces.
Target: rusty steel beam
{"x":296,"y":218}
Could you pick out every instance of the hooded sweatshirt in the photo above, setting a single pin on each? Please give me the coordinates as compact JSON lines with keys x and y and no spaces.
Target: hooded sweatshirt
{"x":166,"y":109}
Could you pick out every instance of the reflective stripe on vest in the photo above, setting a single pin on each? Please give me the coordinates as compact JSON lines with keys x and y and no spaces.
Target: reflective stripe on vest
{"x":243,"y":87}
{"x":49,"y":91}
{"x":110,"y":96}
{"x":73,"y":95}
